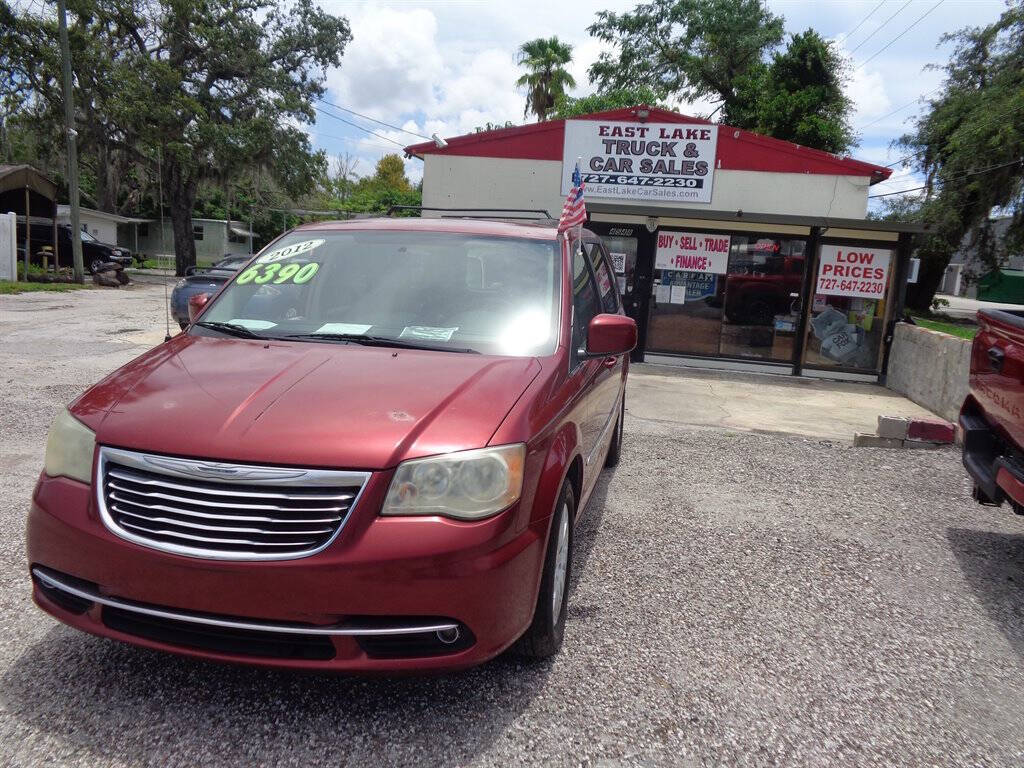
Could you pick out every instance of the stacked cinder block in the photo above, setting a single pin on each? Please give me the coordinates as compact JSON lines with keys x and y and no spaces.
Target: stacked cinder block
{"x":901,"y":432}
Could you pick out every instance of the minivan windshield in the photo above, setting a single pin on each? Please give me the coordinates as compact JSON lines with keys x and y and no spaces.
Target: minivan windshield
{"x":458,"y":292}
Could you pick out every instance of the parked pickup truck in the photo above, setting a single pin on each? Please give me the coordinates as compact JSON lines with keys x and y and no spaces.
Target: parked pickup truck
{"x":992,"y":416}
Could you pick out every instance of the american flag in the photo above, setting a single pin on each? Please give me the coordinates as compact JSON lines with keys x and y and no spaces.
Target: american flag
{"x":574,"y":212}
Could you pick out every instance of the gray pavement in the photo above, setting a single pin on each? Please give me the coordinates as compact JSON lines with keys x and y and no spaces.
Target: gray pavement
{"x":739,"y":598}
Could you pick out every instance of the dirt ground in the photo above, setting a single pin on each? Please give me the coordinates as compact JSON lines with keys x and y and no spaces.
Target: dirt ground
{"x":741,"y":595}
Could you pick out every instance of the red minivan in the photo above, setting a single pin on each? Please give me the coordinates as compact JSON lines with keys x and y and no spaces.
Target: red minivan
{"x":367,"y":452}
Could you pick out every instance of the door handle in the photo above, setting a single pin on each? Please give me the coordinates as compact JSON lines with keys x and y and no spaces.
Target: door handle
{"x":610,"y":361}
{"x":996,"y":358}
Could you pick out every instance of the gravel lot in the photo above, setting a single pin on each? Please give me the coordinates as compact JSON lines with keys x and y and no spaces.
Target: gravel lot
{"x":740,"y":599}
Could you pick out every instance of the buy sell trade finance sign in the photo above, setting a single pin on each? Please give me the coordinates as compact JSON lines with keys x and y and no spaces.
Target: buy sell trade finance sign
{"x":692,"y":252}
{"x":674,"y":162}
{"x":849,"y":270}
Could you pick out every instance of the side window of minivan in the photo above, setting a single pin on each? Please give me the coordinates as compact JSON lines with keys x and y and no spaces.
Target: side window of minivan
{"x":605,"y":280}
{"x":584,"y":306}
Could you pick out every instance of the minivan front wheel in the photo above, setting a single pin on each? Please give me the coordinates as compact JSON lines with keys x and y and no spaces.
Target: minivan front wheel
{"x":544,"y":637}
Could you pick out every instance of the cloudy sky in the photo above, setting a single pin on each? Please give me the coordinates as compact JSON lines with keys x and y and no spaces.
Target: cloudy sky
{"x":449,"y":66}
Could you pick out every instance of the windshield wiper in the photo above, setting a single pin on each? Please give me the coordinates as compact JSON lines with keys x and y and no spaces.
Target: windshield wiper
{"x":232,"y":329}
{"x":379,"y":341}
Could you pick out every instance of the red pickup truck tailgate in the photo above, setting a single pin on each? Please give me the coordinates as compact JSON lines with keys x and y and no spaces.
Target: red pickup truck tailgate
{"x":997,"y":373}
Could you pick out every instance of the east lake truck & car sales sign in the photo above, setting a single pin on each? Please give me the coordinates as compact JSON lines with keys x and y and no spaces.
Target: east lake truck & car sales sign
{"x":653,"y":161}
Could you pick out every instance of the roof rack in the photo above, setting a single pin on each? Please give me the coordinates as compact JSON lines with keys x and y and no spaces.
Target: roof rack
{"x":540,"y":212}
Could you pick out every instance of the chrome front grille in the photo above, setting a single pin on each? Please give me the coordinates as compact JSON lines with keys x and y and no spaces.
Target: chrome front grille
{"x":222,"y":510}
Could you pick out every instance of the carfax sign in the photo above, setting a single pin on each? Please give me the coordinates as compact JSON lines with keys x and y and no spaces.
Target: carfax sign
{"x":674,"y":162}
{"x":853,"y":271}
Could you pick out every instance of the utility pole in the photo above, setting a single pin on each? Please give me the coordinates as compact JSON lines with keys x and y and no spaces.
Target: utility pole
{"x":72,"y":134}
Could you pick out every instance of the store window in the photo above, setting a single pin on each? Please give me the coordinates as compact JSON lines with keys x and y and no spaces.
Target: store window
{"x":584,"y":306}
{"x":605,"y":284}
{"x":848,"y":314}
{"x":622,"y":245}
{"x":726,"y":295}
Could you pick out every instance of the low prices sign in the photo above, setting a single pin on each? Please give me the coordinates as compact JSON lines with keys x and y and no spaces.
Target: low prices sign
{"x":692,"y":252}
{"x":853,"y":271}
{"x":641,"y":161}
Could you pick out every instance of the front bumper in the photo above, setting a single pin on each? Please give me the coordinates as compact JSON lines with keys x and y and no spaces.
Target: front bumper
{"x":342,"y":606}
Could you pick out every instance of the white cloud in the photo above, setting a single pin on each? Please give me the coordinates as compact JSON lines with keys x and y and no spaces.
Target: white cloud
{"x":392,"y":64}
{"x":449,"y":67}
{"x":901,"y":179}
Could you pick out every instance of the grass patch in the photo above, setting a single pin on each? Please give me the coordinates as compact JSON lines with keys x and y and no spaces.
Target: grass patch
{"x":963,"y":330}
{"x":7,"y":287}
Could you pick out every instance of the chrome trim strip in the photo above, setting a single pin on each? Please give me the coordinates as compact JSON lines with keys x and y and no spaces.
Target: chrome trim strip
{"x":191,"y":537}
{"x":224,"y":473}
{"x":129,"y":478}
{"x":218,"y":528}
{"x":229,"y":518}
{"x":258,"y":626}
{"x":219,"y":505}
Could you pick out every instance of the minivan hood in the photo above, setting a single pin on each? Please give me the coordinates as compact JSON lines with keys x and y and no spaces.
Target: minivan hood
{"x":303,"y":404}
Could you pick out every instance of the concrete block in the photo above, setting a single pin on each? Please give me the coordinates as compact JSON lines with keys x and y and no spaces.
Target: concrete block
{"x":893,"y":426}
{"x":865,"y":440}
{"x":932,"y":430}
{"x":919,"y":444}
{"x":930,"y":368}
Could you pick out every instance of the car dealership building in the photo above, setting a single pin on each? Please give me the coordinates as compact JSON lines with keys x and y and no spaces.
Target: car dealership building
{"x":729,"y":247}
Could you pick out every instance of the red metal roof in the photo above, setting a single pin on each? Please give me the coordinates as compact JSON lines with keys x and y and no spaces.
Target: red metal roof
{"x":738,"y":150}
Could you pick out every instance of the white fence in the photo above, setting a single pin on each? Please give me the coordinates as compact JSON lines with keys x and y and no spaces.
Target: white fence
{"x":8,"y":246}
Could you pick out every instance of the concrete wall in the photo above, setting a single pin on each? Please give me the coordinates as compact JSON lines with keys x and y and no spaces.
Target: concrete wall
{"x":930,"y":368}
{"x":477,"y":182}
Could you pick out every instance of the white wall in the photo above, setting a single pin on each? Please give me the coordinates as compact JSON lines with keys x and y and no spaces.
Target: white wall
{"x":102,"y":229}
{"x":477,"y":182}
{"x":8,"y":245}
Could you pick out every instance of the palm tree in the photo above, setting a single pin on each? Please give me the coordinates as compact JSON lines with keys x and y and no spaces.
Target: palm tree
{"x":546,"y":78}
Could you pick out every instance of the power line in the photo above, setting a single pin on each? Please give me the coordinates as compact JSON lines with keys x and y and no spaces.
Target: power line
{"x":375,"y":120}
{"x":849,"y":34}
{"x":947,"y":181}
{"x":881,"y":27}
{"x":360,"y":127}
{"x":901,"y":34}
{"x":979,"y":124}
{"x":900,"y":109}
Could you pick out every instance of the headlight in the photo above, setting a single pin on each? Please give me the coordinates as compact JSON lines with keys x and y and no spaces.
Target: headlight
{"x":69,"y":448}
{"x":467,"y":485}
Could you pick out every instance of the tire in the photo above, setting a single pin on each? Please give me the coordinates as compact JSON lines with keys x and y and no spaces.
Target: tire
{"x":94,"y":266}
{"x":544,"y":637}
{"x":615,"y":449}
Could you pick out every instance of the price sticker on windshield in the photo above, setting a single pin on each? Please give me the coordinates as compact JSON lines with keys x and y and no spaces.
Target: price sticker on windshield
{"x":277,"y":273}
{"x":294,"y":249}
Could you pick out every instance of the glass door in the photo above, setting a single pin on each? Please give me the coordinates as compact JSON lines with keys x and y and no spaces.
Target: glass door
{"x":762,"y":296}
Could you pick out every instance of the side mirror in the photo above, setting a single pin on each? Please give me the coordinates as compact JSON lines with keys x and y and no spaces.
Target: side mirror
{"x":611,"y":335}
{"x":196,"y":303}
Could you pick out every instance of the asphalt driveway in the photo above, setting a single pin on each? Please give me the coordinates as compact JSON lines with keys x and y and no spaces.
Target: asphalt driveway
{"x":739,"y":598}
